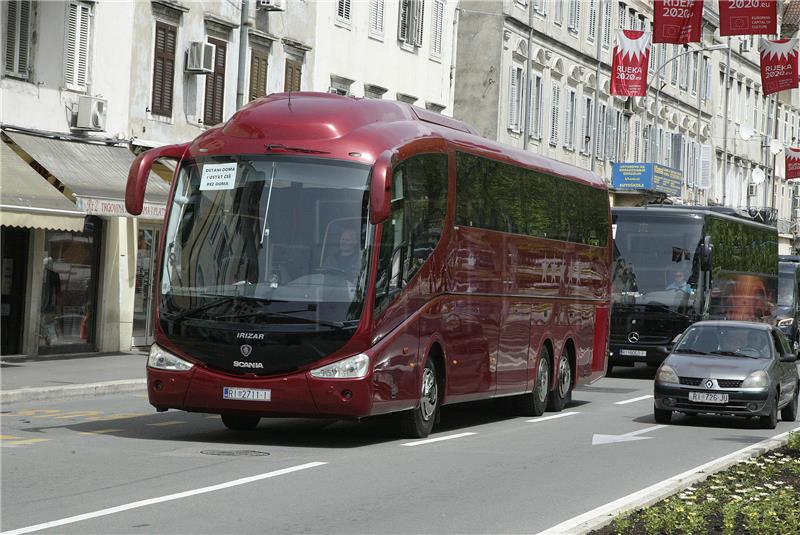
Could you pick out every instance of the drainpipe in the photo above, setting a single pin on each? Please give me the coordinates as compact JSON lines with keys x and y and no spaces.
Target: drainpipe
{"x":725,"y":127}
{"x":526,"y":132}
{"x":243,"y":25}
{"x":596,"y":104}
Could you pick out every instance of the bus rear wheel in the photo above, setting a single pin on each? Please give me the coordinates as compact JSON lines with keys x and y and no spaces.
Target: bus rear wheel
{"x":562,"y":394}
{"x":419,"y":422}
{"x":535,"y":402}
{"x":240,"y":422}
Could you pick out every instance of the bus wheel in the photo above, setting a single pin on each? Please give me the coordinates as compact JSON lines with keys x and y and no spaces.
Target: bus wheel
{"x":563,"y":391}
{"x":240,"y":422}
{"x":534,"y":403}
{"x":418,"y":422}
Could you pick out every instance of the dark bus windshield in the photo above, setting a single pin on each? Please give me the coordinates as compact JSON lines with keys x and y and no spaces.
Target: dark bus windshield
{"x":280,"y":239}
{"x":655,"y":260}
{"x":786,"y":284}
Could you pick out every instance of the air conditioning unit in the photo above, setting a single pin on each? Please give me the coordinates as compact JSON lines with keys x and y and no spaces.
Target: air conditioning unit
{"x":92,"y":113}
{"x":270,"y":5}
{"x":752,"y":190}
{"x":200,"y":57}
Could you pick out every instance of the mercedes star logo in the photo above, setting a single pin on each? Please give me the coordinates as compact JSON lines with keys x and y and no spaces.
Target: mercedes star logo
{"x":633,"y":337}
{"x":246,"y":349}
{"x":709,"y":383}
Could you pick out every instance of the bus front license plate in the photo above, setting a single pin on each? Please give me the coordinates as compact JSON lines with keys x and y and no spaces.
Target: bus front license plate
{"x":633,"y":352}
{"x":246,"y":394}
{"x":708,"y":397}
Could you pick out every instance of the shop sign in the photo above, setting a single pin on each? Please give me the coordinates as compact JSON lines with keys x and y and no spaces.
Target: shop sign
{"x":116,"y":208}
{"x":648,"y":177}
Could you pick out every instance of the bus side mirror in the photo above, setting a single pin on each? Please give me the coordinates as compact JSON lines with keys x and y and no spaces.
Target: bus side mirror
{"x":140,"y":172}
{"x":705,"y":259}
{"x":380,"y":188}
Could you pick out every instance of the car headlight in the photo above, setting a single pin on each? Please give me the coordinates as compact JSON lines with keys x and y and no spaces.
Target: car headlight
{"x":758,"y":379}
{"x":164,"y":360}
{"x":667,"y":375}
{"x":786,"y":322}
{"x":349,"y":368}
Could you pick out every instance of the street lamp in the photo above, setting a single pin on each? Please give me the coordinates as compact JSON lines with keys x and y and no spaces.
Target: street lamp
{"x":654,"y":129}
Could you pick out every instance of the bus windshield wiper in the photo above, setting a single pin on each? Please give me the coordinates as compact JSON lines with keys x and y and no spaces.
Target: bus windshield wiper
{"x":220,"y":300}
{"x":734,"y":354}
{"x":290,"y":315}
{"x":690,"y":351}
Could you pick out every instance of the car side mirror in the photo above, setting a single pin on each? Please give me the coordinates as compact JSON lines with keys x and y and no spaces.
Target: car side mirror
{"x":380,"y":187}
{"x":706,"y":254}
{"x":788,"y":357}
{"x":140,"y":172}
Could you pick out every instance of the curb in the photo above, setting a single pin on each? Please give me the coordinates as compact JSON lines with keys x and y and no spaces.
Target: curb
{"x":605,"y":514}
{"x":73,"y":391}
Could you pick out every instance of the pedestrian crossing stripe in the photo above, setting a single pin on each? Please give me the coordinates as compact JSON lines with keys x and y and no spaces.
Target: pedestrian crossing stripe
{"x":100,"y":431}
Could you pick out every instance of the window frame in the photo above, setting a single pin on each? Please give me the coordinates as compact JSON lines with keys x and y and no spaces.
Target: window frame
{"x":165,"y":108}
{"x":14,"y":41}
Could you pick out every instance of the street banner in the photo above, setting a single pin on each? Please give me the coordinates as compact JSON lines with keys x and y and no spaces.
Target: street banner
{"x":677,"y":21}
{"x":778,"y":65}
{"x":792,"y":170}
{"x":748,"y":17}
{"x":629,"y":64}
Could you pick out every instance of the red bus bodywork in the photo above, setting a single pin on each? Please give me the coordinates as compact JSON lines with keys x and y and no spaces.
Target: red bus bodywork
{"x":483,"y":304}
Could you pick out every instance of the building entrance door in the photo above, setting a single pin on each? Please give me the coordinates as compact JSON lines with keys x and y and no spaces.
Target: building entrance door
{"x":148,"y":238}
{"x":12,"y":304}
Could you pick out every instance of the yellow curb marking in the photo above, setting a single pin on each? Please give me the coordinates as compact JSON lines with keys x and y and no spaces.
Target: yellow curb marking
{"x":100,"y":431}
{"x":164,"y":424}
{"x":23,"y":442}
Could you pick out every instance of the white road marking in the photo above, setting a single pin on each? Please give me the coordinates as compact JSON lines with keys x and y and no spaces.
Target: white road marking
{"x":596,"y":517}
{"x":431,"y":440}
{"x":640,"y":398}
{"x":161,"y":499}
{"x":543,"y":418}
{"x":625,"y":437}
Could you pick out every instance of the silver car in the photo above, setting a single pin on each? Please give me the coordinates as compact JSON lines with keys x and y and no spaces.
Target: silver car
{"x":733,"y":368}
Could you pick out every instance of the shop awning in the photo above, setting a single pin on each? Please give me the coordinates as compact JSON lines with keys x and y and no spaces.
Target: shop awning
{"x":95,"y":173}
{"x":28,"y":200}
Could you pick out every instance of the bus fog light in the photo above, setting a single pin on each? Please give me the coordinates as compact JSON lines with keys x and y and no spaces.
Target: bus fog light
{"x":162,"y":359}
{"x":752,"y":406}
{"x":158,"y":385}
{"x":346,"y":394}
{"x":350,"y":368}
{"x":669,"y":402}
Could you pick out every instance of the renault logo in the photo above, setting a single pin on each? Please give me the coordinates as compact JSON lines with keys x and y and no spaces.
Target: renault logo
{"x":709,"y":383}
{"x":633,"y":337}
{"x":246,"y":349}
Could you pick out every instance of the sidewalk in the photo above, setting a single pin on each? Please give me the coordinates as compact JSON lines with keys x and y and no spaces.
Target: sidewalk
{"x":43,"y":378}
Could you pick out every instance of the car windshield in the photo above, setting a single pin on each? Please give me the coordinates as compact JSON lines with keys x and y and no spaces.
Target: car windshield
{"x":656,"y":264}
{"x":281,"y":238}
{"x":727,"y":341}
{"x":786,"y":282}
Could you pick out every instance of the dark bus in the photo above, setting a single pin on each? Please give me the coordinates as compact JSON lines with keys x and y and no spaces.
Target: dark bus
{"x":788,"y":312}
{"x":675,"y":265}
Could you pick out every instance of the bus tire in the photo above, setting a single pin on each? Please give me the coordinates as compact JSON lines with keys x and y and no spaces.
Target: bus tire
{"x":789,"y":412}
{"x":770,"y":421}
{"x":562,"y":393}
{"x":535,"y":402}
{"x":419,"y":422}
{"x":240,"y":422}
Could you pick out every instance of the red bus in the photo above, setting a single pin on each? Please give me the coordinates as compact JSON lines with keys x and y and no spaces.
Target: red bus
{"x":342,"y":257}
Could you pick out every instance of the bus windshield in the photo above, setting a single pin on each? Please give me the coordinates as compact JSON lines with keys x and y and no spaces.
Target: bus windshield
{"x":656,"y":262}
{"x":267,"y":239}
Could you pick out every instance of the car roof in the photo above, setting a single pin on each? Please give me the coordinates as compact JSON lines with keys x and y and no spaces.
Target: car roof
{"x":732,"y":323}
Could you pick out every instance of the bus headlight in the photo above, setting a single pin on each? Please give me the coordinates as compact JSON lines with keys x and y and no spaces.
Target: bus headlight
{"x":758,"y":379}
{"x":667,"y":375}
{"x":349,"y":368}
{"x":164,"y":360}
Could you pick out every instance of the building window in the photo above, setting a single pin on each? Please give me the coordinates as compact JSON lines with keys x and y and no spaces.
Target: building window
{"x":575,"y":15}
{"x":684,"y":71}
{"x":607,"y":25}
{"x":590,"y":31}
{"x":258,"y":73}
{"x":600,"y":135}
{"x":540,"y":6}
{"x":516,"y":90}
{"x":662,"y":59}
{"x":536,"y":107}
{"x":340,"y":85}
{"x":569,"y":118}
{"x":637,"y":132}
{"x":409,"y":24}
{"x":215,"y":85}
{"x":19,"y":14}
{"x":437,"y":28}
{"x":408,"y":99}
{"x":554,"y":108}
{"x":675,"y":51}
{"x":612,"y":134}
{"x":163,"y":69}
{"x":705,"y":83}
{"x":558,"y":12}
{"x":695,"y":69}
{"x":343,"y":11}
{"x":433,"y":106}
{"x":76,"y":62}
{"x":374,"y":91}
{"x":586,"y":126}
{"x":292,"y":75}
{"x":621,"y":12}
{"x":376,"y":17}
{"x":756,"y":101}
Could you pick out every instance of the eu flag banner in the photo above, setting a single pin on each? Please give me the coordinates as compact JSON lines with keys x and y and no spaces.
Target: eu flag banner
{"x":677,"y":21}
{"x":629,"y":64}
{"x":748,"y":17}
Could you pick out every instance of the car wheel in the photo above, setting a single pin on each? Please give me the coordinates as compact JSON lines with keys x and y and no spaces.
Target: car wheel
{"x":662,"y":416}
{"x":418,"y":422}
{"x":535,"y":402}
{"x":770,"y":421}
{"x":562,"y":394}
{"x":240,"y":422}
{"x":789,"y":412}
{"x":609,"y":369}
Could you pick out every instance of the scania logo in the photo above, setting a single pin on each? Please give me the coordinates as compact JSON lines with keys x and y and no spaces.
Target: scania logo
{"x":709,"y":383}
{"x":246,"y":349}
{"x":250,"y":336}
{"x":633,"y":337}
{"x":240,"y":364}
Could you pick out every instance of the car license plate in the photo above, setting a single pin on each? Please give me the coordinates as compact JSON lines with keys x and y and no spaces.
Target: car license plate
{"x":708,"y":397}
{"x":246,"y":394}
{"x":633,"y":352}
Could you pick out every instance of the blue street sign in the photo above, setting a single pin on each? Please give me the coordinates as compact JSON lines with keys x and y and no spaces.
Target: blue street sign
{"x":647,"y":176}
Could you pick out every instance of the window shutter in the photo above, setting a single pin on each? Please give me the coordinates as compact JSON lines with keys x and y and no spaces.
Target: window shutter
{"x":569,"y":118}
{"x":607,"y":25}
{"x":555,"y":115}
{"x":590,"y":31}
{"x":12,"y":19}
{"x":292,"y":75}
{"x":72,"y":30}
{"x":215,"y":86}
{"x":637,"y":132}
{"x":437,"y":27}
{"x":704,"y":177}
{"x":163,"y":69}
{"x":512,"y":100}
{"x":343,"y":10}
{"x":376,"y":16}
{"x":419,"y":8}
{"x":17,"y":43}
{"x":83,"y":46}
{"x":586,"y":123}
{"x":402,"y":20}
{"x":77,"y":47}
{"x":599,"y":135}
{"x":258,"y":74}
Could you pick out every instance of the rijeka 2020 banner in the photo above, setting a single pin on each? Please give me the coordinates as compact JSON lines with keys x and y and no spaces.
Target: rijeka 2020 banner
{"x":778,"y":65}
{"x":629,"y":66}
{"x":677,"y":21}
{"x":792,"y":163}
{"x":748,"y":17}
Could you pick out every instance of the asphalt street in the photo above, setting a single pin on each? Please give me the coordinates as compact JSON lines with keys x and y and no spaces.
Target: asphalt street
{"x":110,"y":464}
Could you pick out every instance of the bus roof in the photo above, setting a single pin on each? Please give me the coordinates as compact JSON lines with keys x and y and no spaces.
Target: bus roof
{"x":722,"y":212}
{"x":355,"y":129}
